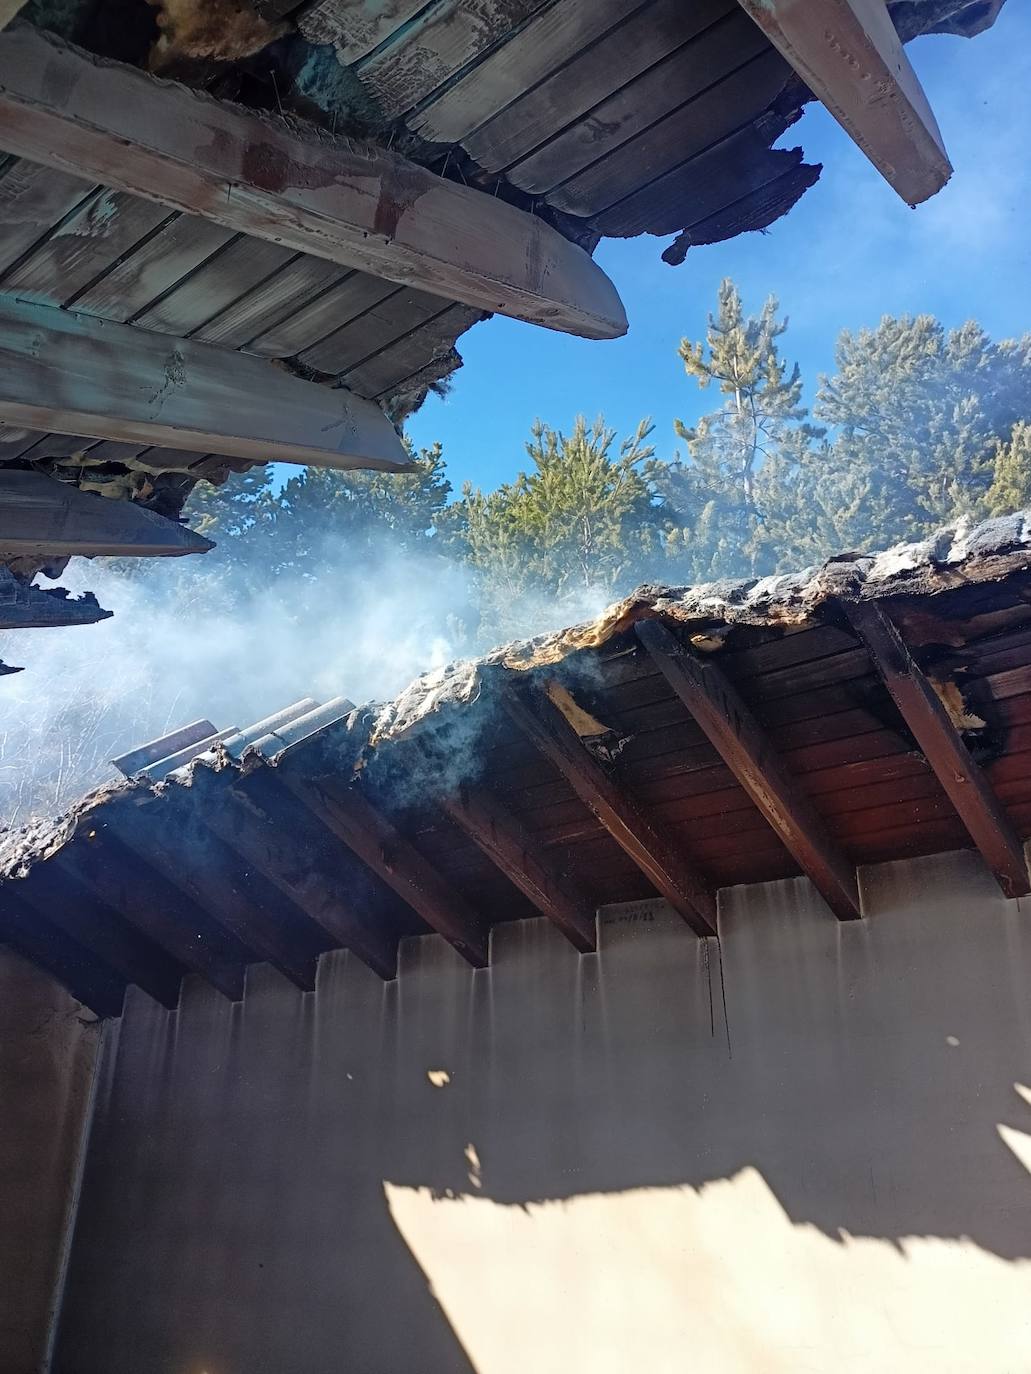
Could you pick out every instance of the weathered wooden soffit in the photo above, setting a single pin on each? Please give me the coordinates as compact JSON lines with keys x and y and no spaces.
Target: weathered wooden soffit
{"x":296,"y":198}
{"x":685,"y":741}
{"x":251,"y":230}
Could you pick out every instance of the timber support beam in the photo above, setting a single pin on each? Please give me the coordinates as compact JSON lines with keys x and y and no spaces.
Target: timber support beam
{"x":76,"y":374}
{"x":170,"y":839}
{"x":155,"y":908}
{"x":253,"y":825}
{"x":655,"y":854}
{"x":351,"y":203}
{"x":738,"y":738}
{"x":849,"y":55}
{"x":373,"y":838}
{"x":961,"y":778}
{"x":507,"y":843}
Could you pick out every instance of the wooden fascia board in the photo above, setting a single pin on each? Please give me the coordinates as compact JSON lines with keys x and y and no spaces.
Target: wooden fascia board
{"x":961,"y":778}
{"x":75,"y":374}
{"x":849,"y":55}
{"x":740,"y":741}
{"x":357,"y":204}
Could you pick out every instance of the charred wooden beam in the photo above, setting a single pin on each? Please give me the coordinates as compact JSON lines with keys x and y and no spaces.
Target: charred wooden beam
{"x":355,"y":204}
{"x":382,"y":848}
{"x":86,"y":977}
{"x":654,"y":853}
{"x":850,"y":56}
{"x":56,"y":894}
{"x":42,"y":517}
{"x":738,"y":738}
{"x":510,"y":846}
{"x":289,"y":849}
{"x":173,"y":840}
{"x":962,"y":780}
{"x":25,"y":607}
{"x":145,"y":901}
{"x":76,"y":374}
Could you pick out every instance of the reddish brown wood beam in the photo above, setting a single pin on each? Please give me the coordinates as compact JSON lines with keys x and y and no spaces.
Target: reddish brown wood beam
{"x":384,"y":850}
{"x":654,"y":854}
{"x":511,"y":848}
{"x":740,"y":741}
{"x":962,"y":780}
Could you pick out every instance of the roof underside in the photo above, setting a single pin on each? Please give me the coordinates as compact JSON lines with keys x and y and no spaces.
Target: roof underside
{"x":609,"y":117}
{"x":235,"y":852}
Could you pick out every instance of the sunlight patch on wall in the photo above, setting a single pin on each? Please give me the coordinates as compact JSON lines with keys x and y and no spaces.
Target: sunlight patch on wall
{"x":717,"y":1278}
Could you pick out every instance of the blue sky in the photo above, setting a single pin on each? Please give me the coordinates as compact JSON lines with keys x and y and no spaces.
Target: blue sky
{"x":848,"y":253}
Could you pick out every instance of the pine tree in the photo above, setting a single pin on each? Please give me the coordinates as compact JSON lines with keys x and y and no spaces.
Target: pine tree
{"x":922,"y":415}
{"x":736,"y":494}
{"x":578,"y":528}
{"x":1011,"y":487}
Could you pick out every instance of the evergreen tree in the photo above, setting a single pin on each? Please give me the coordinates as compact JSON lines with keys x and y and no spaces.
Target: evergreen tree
{"x":583,"y":524}
{"x":736,"y":496}
{"x":1011,"y":487}
{"x":922,"y":417}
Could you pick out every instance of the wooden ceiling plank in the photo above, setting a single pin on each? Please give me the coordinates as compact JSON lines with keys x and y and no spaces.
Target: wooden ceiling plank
{"x":377,"y":328}
{"x":320,"y":314}
{"x":153,"y":268}
{"x":551,"y":40}
{"x":696,"y":95}
{"x":744,"y":746}
{"x":77,"y":374}
{"x":423,"y":356}
{"x":234,"y":265}
{"x":355,"y":28}
{"x":33,"y":200}
{"x":270,"y":302}
{"x":653,"y":853}
{"x":649,"y":34}
{"x":961,"y":778}
{"x":363,"y":206}
{"x":439,"y":40}
{"x":687,"y":131}
{"x":850,"y":56}
{"x":511,"y":847}
{"x":84,"y":247}
{"x":377,"y":842}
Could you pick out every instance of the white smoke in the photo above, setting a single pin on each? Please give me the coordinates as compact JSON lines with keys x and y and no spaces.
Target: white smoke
{"x":187,"y":642}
